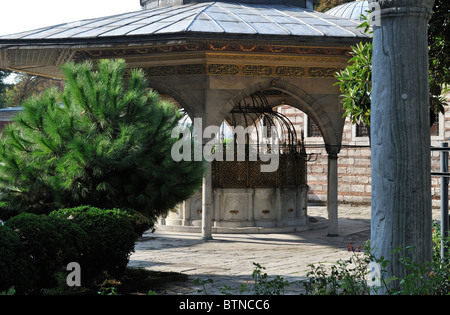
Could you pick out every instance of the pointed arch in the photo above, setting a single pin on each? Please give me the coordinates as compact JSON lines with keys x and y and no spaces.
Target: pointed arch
{"x":331,"y":132}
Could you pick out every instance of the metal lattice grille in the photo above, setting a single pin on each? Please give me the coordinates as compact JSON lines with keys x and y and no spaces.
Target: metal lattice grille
{"x":246,"y":172}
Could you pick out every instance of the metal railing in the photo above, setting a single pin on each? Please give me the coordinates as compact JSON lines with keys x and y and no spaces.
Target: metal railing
{"x":444,"y":174}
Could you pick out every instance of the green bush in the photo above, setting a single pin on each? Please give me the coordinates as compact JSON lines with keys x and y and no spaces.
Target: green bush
{"x":34,"y":248}
{"x":352,"y":276}
{"x":42,"y":242}
{"x":111,"y":239}
{"x":16,"y":265}
{"x":74,"y":240}
{"x":346,"y":277}
{"x":139,"y":222}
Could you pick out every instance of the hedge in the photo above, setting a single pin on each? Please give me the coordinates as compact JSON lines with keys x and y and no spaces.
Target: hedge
{"x":35,"y":248}
{"x":111,"y":238}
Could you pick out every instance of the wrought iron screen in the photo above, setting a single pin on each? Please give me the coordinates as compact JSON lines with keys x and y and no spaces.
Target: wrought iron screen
{"x":246,"y":171}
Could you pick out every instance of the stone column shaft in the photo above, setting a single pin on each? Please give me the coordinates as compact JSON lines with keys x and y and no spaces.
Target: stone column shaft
{"x":400,"y":133}
{"x":207,"y":196}
{"x":332,"y":194}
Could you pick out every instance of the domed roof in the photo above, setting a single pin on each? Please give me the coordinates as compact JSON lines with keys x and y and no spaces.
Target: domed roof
{"x":350,"y":10}
{"x":147,"y":4}
{"x":213,"y":17}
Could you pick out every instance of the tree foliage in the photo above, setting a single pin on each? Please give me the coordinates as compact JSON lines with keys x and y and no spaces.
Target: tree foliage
{"x":25,"y":87}
{"x":3,"y":86}
{"x":325,"y":5}
{"x":355,"y":81}
{"x":104,"y":141}
{"x":439,"y":53}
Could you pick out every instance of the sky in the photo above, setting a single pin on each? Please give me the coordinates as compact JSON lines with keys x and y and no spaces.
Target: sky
{"x":24,"y":15}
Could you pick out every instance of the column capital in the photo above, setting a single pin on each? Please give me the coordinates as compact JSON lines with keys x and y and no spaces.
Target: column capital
{"x":403,"y":3}
{"x":333,"y":150}
{"x":388,"y":8}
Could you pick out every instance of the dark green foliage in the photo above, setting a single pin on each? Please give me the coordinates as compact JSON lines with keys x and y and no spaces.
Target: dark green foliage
{"x":75,"y":242}
{"x":36,"y":249}
{"x":42,"y":243}
{"x":139,"y":222}
{"x":104,"y":141}
{"x":355,"y":82}
{"x":439,"y":53}
{"x":16,"y":265}
{"x":111,"y":239}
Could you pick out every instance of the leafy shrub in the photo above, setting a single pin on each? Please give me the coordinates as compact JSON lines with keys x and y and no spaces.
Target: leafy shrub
{"x":42,"y":242}
{"x":346,"y":277}
{"x":111,"y":239}
{"x":431,"y":278}
{"x":35,"y":248}
{"x":352,"y":276}
{"x":139,"y":222}
{"x":16,"y":265}
{"x":74,"y":238}
{"x":264,"y":285}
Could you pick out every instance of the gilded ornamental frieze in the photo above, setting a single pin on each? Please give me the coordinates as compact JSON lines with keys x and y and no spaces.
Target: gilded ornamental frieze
{"x":243,"y":70}
{"x":230,"y":58}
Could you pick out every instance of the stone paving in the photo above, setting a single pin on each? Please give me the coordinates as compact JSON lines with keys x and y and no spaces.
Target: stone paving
{"x":228,"y":259}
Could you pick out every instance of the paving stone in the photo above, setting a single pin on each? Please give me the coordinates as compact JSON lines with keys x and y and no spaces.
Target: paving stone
{"x":228,"y":259}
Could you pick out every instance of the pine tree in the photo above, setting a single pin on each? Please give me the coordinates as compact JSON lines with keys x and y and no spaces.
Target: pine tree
{"x":104,"y":141}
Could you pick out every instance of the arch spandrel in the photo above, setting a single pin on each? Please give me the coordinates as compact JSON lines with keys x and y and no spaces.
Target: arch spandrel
{"x":184,"y":99}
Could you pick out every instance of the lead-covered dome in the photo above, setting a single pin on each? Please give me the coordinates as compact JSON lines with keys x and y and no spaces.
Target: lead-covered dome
{"x":148,"y":4}
{"x":351,"y":10}
{"x":216,"y":18}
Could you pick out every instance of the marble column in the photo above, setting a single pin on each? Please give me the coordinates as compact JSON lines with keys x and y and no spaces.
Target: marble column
{"x":332,"y":190}
{"x":400,"y":134}
{"x":207,"y":195}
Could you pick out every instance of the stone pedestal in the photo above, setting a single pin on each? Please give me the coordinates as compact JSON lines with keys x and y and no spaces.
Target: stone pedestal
{"x":248,"y":209}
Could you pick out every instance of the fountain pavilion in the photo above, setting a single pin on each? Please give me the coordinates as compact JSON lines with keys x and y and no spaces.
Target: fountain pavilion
{"x":214,"y":59}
